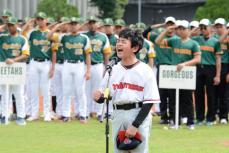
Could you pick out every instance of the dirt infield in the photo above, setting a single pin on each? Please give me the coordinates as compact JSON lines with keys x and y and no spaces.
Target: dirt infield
{"x":225,"y":143}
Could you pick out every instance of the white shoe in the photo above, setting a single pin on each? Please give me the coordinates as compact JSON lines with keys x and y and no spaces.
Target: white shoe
{"x":184,"y":120}
{"x":47,"y":119}
{"x":191,"y":127}
{"x":32,"y":118}
{"x":223,"y":121}
{"x":54,"y":116}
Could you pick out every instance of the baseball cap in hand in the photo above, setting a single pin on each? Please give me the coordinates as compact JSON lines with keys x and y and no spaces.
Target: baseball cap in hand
{"x":124,"y":143}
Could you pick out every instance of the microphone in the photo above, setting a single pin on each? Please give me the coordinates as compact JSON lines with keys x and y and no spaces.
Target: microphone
{"x":113,"y":62}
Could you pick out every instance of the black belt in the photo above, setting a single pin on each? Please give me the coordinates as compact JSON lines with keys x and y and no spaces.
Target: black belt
{"x":40,"y":60}
{"x":60,"y":61}
{"x":128,"y":106}
{"x":74,"y":61}
{"x":94,"y":63}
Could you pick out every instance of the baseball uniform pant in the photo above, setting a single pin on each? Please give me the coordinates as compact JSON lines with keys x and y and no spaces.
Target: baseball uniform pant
{"x":57,"y":89}
{"x":74,"y":86}
{"x":122,"y":120}
{"x":222,"y":92}
{"x":92,"y":85}
{"x":17,"y":90}
{"x":27,"y":92}
{"x":40,"y":83}
{"x":205,"y":75}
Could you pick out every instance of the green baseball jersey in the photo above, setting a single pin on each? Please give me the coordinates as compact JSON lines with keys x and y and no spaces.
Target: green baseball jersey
{"x":182,"y":51}
{"x":75,"y":47}
{"x":113,"y":40}
{"x":6,"y":31}
{"x":208,"y":48}
{"x":13,"y":46}
{"x":40,"y":46}
{"x":225,"y":49}
{"x":163,"y":53}
{"x":146,"y":52}
{"x":100,"y":45}
{"x":56,"y":44}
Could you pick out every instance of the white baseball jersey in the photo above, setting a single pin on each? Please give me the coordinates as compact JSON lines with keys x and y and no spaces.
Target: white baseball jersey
{"x":137,"y":84}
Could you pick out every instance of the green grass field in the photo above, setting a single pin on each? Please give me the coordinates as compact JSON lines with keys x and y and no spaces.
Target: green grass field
{"x":72,"y":137}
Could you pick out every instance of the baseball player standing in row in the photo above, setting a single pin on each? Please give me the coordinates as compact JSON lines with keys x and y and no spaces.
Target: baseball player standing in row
{"x":99,"y":57}
{"x":223,"y":88}
{"x":147,"y":53}
{"x":57,"y":88}
{"x":41,"y":68}
{"x":133,"y":89}
{"x":186,"y":52}
{"x":15,"y":48}
{"x":208,"y":73}
{"x":109,"y":31}
{"x":77,"y":50}
{"x":163,"y":57}
{"x":5,"y":16}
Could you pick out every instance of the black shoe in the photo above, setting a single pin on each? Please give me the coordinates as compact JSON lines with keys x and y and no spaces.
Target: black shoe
{"x":77,"y":117}
{"x":99,"y":118}
{"x":163,"y":122}
{"x":66,"y":119}
{"x":82,"y":118}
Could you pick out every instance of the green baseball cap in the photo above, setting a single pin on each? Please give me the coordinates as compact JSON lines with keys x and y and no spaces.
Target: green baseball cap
{"x":132,"y":26}
{"x":51,"y":20}
{"x":108,"y":21}
{"x":12,"y":20}
{"x":120,"y":22}
{"x":75,"y":19}
{"x":100,"y":22}
{"x":82,"y":20}
{"x":65,"y":19}
{"x":7,"y":13}
{"x":26,"y":19}
{"x":92,"y":18}
{"x":41,"y":15}
{"x":140,"y":25}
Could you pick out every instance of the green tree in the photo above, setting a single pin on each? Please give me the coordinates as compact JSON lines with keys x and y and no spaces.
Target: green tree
{"x":57,"y":8}
{"x":213,"y":9}
{"x":110,"y":8}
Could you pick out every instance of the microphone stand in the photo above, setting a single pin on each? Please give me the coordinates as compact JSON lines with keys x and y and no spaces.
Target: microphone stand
{"x":106,"y":101}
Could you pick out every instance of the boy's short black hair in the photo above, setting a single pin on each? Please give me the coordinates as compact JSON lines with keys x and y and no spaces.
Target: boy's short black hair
{"x":134,"y":36}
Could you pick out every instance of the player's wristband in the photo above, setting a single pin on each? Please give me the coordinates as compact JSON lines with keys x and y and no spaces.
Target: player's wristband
{"x":143,"y":113}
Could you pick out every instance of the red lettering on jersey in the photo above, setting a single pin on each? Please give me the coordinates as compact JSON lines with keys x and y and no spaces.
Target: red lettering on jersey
{"x":130,"y":86}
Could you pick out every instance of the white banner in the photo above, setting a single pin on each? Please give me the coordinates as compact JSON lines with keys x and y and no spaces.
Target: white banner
{"x":170,"y":78}
{"x":14,"y":74}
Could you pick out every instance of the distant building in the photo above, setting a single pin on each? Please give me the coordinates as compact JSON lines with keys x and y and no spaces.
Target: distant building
{"x":155,"y":11}
{"x":23,"y":8}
